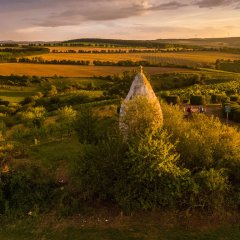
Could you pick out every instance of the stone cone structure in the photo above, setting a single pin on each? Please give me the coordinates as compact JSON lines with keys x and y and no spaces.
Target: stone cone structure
{"x":140,"y":88}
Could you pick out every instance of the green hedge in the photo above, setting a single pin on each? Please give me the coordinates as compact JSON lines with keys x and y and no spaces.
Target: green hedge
{"x":234,"y":98}
{"x":173,"y":99}
{"x":236,"y":115}
{"x":218,"y":98}
{"x":197,"y":100}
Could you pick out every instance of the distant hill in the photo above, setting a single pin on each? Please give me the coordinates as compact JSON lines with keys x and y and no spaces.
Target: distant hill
{"x":119,"y":42}
{"x":232,"y":42}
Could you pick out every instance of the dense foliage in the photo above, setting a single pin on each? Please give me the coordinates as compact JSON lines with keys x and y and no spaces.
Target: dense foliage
{"x":182,"y":164}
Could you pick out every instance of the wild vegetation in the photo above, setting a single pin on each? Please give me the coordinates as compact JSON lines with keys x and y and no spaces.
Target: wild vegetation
{"x":62,"y":155}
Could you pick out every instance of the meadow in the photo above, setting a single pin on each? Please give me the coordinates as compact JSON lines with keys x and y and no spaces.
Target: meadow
{"x":15,"y":94}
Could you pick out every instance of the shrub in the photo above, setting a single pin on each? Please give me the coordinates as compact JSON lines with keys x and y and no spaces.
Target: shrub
{"x":52,"y":91}
{"x":67,"y":114}
{"x":217,"y":98}
{"x":172,"y":99}
{"x":34,"y":116}
{"x":211,"y":189}
{"x":151,"y":179}
{"x":197,"y":100}
{"x":5,"y":103}
{"x":234,"y":98}
{"x":213,"y":144}
{"x":185,"y":101}
{"x":28,"y":100}
{"x":90,"y":128}
{"x":140,"y":114}
{"x":2,"y":126}
{"x":98,"y":168}
{"x":25,"y":189}
{"x":236,"y":115}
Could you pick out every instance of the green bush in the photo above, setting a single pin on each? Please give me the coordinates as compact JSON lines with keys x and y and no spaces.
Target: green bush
{"x":172,"y":99}
{"x":234,"y":107}
{"x":98,"y":168}
{"x":34,"y":116}
{"x":25,"y":189}
{"x":140,"y":114}
{"x":211,"y":189}
{"x":152,"y":178}
{"x":218,"y":98}
{"x":197,"y":100}
{"x":213,"y":144}
{"x":236,"y":115}
{"x":234,"y":98}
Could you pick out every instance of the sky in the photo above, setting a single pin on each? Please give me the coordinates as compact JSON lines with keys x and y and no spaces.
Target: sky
{"x":56,"y":20}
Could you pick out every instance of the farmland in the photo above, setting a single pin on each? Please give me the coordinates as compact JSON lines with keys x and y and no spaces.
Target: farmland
{"x":97,"y":48}
{"x":178,"y":58}
{"x":73,"y":71}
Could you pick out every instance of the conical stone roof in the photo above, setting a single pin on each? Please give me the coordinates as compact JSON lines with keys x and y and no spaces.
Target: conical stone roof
{"x":140,"y":87}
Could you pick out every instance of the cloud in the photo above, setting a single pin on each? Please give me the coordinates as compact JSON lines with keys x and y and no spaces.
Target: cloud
{"x":103,"y":10}
{"x":173,"y":5}
{"x":98,"y":10}
{"x":216,"y":3}
{"x":31,"y":30}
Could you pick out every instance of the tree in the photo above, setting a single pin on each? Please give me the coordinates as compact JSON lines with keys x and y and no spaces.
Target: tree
{"x":67,"y":114}
{"x":34,"y":116}
{"x":53,"y":91}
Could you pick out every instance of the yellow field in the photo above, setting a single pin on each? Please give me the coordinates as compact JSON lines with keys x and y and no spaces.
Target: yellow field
{"x":179,"y":58}
{"x":74,"y":71}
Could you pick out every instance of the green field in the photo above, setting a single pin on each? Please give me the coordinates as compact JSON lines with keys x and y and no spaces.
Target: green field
{"x":16,"y":95}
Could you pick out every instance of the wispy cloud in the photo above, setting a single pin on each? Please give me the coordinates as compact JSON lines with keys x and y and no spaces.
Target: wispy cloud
{"x":216,"y":3}
{"x":173,"y":5}
{"x":66,"y":18}
{"x":31,"y":29}
{"x":103,"y":10}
